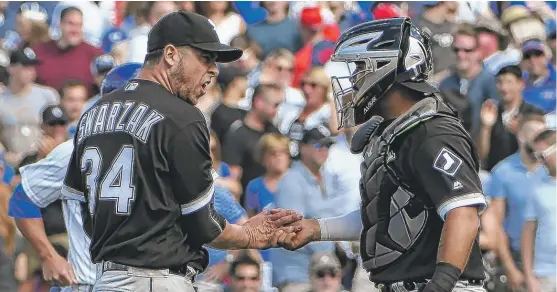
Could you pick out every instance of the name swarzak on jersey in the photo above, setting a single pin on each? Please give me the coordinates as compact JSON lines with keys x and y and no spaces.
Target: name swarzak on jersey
{"x":137,"y":120}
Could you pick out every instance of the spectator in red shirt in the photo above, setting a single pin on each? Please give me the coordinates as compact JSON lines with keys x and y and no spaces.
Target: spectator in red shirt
{"x":68,"y":57}
{"x":319,"y":41}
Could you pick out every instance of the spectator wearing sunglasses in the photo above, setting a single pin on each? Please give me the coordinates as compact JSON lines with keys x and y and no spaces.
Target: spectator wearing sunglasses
{"x":540,"y":76}
{"x":325,"y":273}
{"x":315,"y":109}
{"x":538,"y":235}
{"x":245,"y":275}
{"x":470,"y":78}
{"x":315,"y":193}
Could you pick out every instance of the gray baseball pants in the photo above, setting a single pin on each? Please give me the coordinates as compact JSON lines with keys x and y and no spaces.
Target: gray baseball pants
{"x":140,"y":280}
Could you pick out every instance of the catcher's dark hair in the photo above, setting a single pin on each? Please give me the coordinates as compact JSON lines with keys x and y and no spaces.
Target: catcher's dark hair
{"x":510,"y":69}
{"x":243,"y":259}
{"x":547,"y":136}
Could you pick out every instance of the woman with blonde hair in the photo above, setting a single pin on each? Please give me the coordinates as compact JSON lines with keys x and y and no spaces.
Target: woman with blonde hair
{"x":227,"y":22}
{"x":272,"y":153}
{"x":315,"y":110}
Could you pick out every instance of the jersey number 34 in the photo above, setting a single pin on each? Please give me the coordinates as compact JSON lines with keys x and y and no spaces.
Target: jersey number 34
{"x":116,"y":185}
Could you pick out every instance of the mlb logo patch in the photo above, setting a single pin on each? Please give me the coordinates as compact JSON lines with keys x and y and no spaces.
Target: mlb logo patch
{"x":131,"y":86}
{"x":447,"y":162}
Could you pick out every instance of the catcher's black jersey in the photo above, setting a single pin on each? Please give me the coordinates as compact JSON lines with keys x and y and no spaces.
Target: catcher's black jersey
{"x":141,"y":163}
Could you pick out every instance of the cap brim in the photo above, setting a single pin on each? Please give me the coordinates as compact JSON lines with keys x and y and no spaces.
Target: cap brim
{"x":532,"y":49}
{"x":56,"y":122}
{"x":225,"y":53}
{"x":326,"y":141}
{"x":424,"y":86}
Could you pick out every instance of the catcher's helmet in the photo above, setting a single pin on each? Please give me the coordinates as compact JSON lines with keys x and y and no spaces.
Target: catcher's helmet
{"x":119,"y":76}
{"x":383,"y":52}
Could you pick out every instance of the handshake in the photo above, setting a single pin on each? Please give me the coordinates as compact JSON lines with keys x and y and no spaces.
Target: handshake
{"x":280,"y":228}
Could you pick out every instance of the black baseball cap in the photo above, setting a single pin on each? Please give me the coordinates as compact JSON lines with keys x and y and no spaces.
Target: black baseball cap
{"x":25,"y":56}
{"x":318,"y":135}
{"x":55,"y":115}
{"x":181,"y":28}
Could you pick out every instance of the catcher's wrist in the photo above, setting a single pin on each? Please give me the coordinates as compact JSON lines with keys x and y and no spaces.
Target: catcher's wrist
{"x":444,"y":279}
{"x":317,"y":233}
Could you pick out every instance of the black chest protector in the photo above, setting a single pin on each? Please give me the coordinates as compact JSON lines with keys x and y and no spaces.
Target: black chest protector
{"x":393,"y":217}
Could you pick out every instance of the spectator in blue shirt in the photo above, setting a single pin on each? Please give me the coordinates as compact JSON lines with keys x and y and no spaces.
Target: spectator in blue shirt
{"x":470,"y":78}
{"x":511,"y":183}
{"x":540,"y":76}
{"x":272,"y":152}
{"x":277,"y":31}
{"x":538,"y":244}
{"x":313,"y":193}
{"x":222,"y":168}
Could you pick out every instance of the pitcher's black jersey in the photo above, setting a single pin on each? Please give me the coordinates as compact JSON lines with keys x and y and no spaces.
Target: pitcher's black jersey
{"x":142,"y":166}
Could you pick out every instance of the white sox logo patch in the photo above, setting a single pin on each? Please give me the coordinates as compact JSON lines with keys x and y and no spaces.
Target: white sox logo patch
{"x":447,"y":162}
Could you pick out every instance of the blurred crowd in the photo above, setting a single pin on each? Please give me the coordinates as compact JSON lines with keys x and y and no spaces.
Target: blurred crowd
{"x":270,"y":112}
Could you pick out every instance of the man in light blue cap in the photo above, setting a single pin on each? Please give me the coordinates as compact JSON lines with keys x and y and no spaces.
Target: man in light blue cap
{"x":540,"y":76}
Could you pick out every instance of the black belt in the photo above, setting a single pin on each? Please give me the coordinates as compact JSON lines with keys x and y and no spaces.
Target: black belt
{"x":411,"y":286}
{"x":185,"y":271}
{"x":401,"y":286}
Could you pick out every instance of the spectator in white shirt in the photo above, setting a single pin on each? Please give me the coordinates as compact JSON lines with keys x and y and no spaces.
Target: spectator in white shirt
{"x":21,"y":105}
{"x":138,"y":36}
{"x":95,"y":20}
{"x":314,"y":110}
{"x":228,"y":23}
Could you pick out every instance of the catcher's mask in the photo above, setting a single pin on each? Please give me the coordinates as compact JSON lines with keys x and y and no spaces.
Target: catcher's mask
{"x":379,"y":54}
